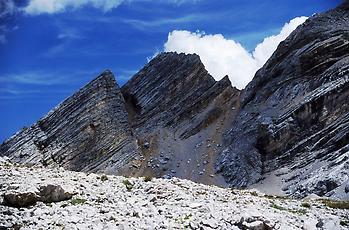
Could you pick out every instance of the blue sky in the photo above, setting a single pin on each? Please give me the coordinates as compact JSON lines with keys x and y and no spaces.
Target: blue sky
{"x":47,"y":56}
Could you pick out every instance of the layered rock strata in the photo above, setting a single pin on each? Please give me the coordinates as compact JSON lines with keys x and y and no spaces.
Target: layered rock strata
{"x":293,"y":122}
{"x":89,"y":131}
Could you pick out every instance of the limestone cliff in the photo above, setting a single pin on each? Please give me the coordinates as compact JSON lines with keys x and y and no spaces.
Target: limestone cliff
{"x":293,"y":124}
{"x":87,"y":132}
{"x":178,"y":113}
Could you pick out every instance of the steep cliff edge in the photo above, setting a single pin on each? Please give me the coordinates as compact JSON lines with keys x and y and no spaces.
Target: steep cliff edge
{"x":87,"y":132}
{"x":292,"y":130}
{"x":178,"y":113}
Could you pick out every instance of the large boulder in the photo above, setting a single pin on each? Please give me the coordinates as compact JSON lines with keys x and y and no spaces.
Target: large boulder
{"x":20,"y":199}
{"x":53,"y":193}
{"x":47,"y":194}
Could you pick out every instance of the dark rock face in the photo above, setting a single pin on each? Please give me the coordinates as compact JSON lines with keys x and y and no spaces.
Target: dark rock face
{"x":87,"y":132}
{"x":164,"y":89}
{"x":176,"y":110}
{"x":294,"y":113}
{"x":346,"y":188}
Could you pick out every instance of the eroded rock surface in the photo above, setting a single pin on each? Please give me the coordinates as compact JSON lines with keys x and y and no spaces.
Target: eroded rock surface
{"x":87,"y":132}
{"x":178,"y":113}
{"x":167,"y":121}
{"x":293,"y":126}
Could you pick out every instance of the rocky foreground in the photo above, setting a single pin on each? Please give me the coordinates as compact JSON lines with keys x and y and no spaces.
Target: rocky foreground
{"x":42,"y":198}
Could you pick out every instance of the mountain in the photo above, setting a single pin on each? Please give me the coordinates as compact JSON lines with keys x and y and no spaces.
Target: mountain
{"x":166,"y":121}
{"x":286,"y":133}
{"x":292,"y":130}
{"x":178,"y":112}
{"x":89,"y":131}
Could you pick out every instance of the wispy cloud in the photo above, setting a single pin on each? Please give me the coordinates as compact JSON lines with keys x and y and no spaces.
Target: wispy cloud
{"x":33,"y":78}
{"x":67,"y":35}
{"x":19,"y":93}
{"x":8,"y":9}
{"x":145,"y":25}
{"x":16,"y":92}
{"x":56,"y":50}
{"x":36,"y":7}
{"x":37,"y":83}
{"x":70,"y":33}
{"x":124,"y":75}
{"x":129,"y":71}
{"x":45,"y":78}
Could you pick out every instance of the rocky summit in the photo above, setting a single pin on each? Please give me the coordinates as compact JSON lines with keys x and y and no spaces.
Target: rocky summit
{"x":178,"y":113}
{"x":285,"y":134}
{"x":87,"y":132}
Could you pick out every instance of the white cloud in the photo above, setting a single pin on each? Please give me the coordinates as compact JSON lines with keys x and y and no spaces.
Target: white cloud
{"x":265,"y":49}
{"x":8,"y":9}
{"x":223,"y":56}
{"x":55,"y":6}
{"x":36,"y":7}
{"x":150,"y":24}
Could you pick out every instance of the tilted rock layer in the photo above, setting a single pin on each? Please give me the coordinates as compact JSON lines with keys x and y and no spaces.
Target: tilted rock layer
{"x":293,"y":124}
{"x":286,"y":133}
{"x":87,"y":132}
{"x":178,"y":113}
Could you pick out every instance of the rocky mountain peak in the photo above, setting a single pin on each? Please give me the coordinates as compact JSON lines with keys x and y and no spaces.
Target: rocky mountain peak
{"x":80,"y":133}
{"x":132,"y":130}
{"x":293,"y":119}
{"x":166,"y":83}
{"x":308,"y":52}
{"x":106,"y":76}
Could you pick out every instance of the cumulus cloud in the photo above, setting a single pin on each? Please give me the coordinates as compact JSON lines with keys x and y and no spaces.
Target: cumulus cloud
{"x":223,"y":56}
{"x":55,"y":6}
{"x":264,"y":50}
